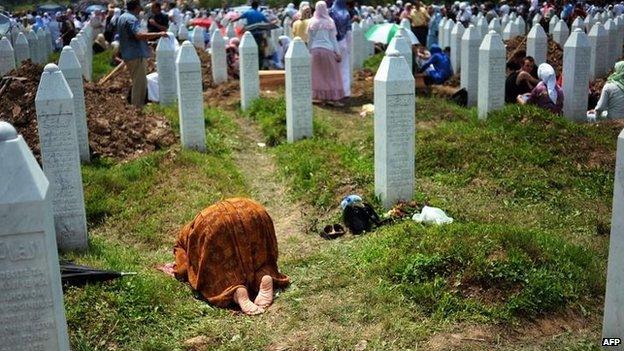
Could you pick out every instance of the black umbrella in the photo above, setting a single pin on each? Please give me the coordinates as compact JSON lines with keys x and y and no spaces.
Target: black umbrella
{"x":261,"y":26}
{"x":75,"y":275}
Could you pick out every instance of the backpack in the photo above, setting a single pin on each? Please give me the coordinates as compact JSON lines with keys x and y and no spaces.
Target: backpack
{"x":360,"y":218}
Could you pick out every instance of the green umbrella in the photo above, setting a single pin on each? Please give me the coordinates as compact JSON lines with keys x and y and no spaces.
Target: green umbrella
{"x":383,"y":33}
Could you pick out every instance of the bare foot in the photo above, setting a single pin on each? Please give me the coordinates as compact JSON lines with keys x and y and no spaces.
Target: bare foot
{"x":167,"y":268}
{"x":241,"y":297}
{"x":265,"y":295}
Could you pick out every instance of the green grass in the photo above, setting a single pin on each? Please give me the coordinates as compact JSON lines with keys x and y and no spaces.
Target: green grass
{"x":102,"y":64}
{"x":373,"y":62}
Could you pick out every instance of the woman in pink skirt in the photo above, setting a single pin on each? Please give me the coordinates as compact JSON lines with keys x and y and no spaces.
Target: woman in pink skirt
{"x":326,"y":77}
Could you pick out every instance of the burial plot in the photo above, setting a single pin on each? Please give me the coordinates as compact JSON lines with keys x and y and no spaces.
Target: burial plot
{"x":190,"y":98}
{"x":31,"y":298}
{"x":298,"y":92}
{"x":599,"y":42}
{"x":395,"y":130}
{"x":218,"y":59}
{"x":166,"y":68}
{"x":576,"y":56}
{"x":456,"y":39}
{"x":69,"y":65}
{"x":537,"y":44}
{"x":613,"y":320}
{"x":60,"y":158}
{"x":7,"y":56}
{"x":492,"y":56}
{"x":249,"y":79}
{"x":469,"y":78}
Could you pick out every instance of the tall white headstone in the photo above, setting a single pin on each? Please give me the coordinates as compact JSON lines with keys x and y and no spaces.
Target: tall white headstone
{"x":576,"y":55}
{"x":613,"y":321}
{"x":87,"y":49}
{"x":229,"y":31}
{"x":448,"y":28}
{"x":249,"y":79}
{"x":456,"y":47}
{"x":560,"y":32}
{"x":509,"y":32}
{"x":198,"y":38}
{"x":32,"y":46}
{"x":469,"y":78}
{"x":552,"y":23}
{"x":494,"y":25}
{"x":61,"y":159}
{"x":536,"y":19}
{"x":190,"y":98}
{"x":43,"y":46}
{"x":370,"y":44}
{"x":219,"y":61}
{"x":183,"y":33}
{"x":79,"y":50}
{"x":492,"y":56}
{"x":173,"y":28}
{"x":395,"y":130}
{"x":441,"y":32}
{"x":612,"y":33}
{"x":166,"y":68}
{"x":213,"y":27}
{"x":505,"y":20}
{"x":537,"y":44}
{"x":588,"y":22}
{"x":298,"y":91}
{"x":7,"y":56}
{"x":482,"y":27}
{"x":32,"y":312}
{"x":401,"y":44}
{"x":356,"y":49}
{"x":599,"y":42}
{"x":288,"y":27}
{"x":70,"y":66}
{"x":520,"y":26}
{"x":22,"y":50}
{"x":619,"y":24}
{"x":578,"y":23}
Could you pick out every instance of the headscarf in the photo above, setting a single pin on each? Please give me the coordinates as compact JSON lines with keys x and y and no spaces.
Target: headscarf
{"x":233,"y":43}
{"x":341,"y":16}
{"x":546,"y":74}
{"x":302,"y":7}
{"x":321,"y":19}
{"x":617,"y":77}
{"x":435,"y":49}
{"x":38,"y":23}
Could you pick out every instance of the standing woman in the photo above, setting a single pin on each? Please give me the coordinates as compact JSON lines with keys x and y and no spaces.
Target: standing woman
{"x":327,"y":84}
{"x":342,"y":19}
{"x":300,"y":26}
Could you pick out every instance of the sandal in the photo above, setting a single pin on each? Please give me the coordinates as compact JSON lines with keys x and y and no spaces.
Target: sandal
{"x":332,"y":232}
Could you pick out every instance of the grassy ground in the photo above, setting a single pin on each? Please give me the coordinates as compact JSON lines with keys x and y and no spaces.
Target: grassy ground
{"x":521,"y":268}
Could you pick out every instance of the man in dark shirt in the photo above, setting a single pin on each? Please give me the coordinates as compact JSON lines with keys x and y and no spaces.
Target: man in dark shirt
{"x":158,"y":21}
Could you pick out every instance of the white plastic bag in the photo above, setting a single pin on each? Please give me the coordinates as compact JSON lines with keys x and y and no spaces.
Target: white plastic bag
{"x":432,"y":215}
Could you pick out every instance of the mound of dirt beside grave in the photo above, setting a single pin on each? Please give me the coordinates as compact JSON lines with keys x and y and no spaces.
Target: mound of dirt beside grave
{"x":116,"y":129}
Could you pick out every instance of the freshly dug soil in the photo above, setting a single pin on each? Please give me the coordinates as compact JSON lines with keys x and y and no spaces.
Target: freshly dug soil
{"x":116,"y":129}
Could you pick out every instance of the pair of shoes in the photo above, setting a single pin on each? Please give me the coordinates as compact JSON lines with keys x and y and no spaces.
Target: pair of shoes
{"x":332,"y":232}
{"x":335,"y":103}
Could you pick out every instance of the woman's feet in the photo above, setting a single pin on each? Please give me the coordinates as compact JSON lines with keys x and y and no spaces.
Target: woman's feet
{"x":241,"y":297}
{"x":265,"y":293}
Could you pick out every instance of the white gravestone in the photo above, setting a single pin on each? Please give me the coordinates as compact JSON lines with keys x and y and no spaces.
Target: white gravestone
{"x":578,"y":23}
{"x":448,"y":28}
{"x":599,"y":42}
{"x":172,"y":27}
{"x":219,"y":60}
{"x":22,"y":50}
{"x":363,"y":48}
{"x":576,"y":55}
{"x":619,"y":24}
{"x":356,"y":49}
{"x":560,"y":33}
{"x":613,"y":322}
{"x":537,"y":44}
{"x":298,"y":91}
{"x":441,"y":32}
{"x":588,"y":23}
{"x":395,"y":130}
{"x":213,"y":27}
{"x":504,"y":20}
{"x":492,"y":57}
{"x":31,"y":297}
{"x":32,"y":46}
{"x":43,"y":46}
{"x":536,"y":19}
{"x":371,"y":44}
{"x":190,"y":98}
{"x":198,"y":38}
{"x":166,"y":68}
{"x":456,"y":39}
{"x":469,"y":78}
{"x":229,"y":31}
{"x":612,"y":33}
{"x":7,"y":56}
{"x":183,"y":33}
{"x":288,"y":27}
{"x":60,"y":157}
{"x":520,"y":26}
{"x":509,"y":32}
{"x":482,"y":27}
{"x":401,"y":44}
{"x":87,"y":49}
{"x":70,"y":66}
{"x":494,"y":26}
{"x":79,"y":50}
{"x":249,"y":79}
{"x":552,"y":23}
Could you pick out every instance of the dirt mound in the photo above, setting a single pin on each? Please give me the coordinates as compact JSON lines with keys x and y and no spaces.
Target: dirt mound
{"x":116,"y":129}
{"x":554,"y":57}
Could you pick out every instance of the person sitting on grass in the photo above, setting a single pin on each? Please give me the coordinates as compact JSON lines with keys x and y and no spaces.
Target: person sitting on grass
{"x":438,"y":68}
{"x":546,"y":94}
{"x":228,"y":254}
{"x":612,"y":95}
{"x":520,"y":81}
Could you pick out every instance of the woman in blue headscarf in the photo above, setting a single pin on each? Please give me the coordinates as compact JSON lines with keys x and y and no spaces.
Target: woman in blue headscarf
{"x":438,"y":68}
{"x":38,"y":23}
{"x":340,"y":14}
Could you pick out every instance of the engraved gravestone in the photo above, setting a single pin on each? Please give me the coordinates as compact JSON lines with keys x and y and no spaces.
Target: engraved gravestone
{"x":198,"y":38}
{"x":536,"y":19}
{"x":441,"y":32}
{"x":588,"y":22}
{"x":560,"y":33}
{"x":509,"y":31}
{"x":537,"y":44}
{"x":576,"y":55}
{"x":599,"y":42}
{"x":213,"y":27}
{"x":219,"y":61}
{"x":482,"y":27}
{"x":31,"y":298}
{"x":492,"y":56}
{"x":619,"y":25}
{"x":552,"y":23}
{"x":504,"y":20}
{"x":363,"y":47}
{"x":32,"y":46}
{"x":69,"y":65}
{"x":87,"y":50}
{"x":298,"y":92}
{"x":578,"y":23}
{"x":456,"y":47}
{"x":612,"y":34}
{"x":229,"y":31}
{"x":60,"y":158}
{"x":172,"y":27}
{"x":448,"y":28}
{"x":288,"y":27}
{"x":469,"y":75}
{"x":613,"y":320}
{"x":494,"y":26}
{"x":166,"y":67}
{"x":401,"y":44}
{"x":356,"y":57}
{"x":7,"y":56}
{"x":183,"y":33}
{"x":79,"y":51}
{"x":43,"y":46}
{"x":190,"y":98}
{"x":520,"y":26}
{"x":395,"y":130}
{"x":249,"y":79}
{"x":22,"y":50}
{"x":371,"y":44}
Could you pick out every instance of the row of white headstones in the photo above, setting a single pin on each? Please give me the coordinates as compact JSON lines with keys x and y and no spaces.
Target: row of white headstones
{"x":41,"y":215}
